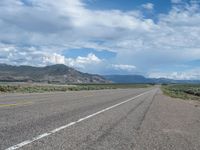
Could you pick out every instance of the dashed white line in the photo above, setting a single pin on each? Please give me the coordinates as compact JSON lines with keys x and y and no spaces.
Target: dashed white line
{"x":17,"y":146}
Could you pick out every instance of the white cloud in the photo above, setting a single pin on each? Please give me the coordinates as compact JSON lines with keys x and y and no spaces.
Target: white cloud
{"x":41,"y":57}
{"x":65,"y":18}
{"x":148,"y":6}
{"x":79,"y":62}
{"x":186,"y":75}
{"x":53,"y":59}
{"x":83,"y":62}
{"x":128,"y":68}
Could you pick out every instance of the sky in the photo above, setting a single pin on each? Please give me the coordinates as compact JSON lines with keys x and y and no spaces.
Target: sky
{"x":154,"y":38}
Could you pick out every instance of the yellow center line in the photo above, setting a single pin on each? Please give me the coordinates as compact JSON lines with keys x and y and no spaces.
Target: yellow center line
{"x":16,"y":104}
{"x":26,"y":103}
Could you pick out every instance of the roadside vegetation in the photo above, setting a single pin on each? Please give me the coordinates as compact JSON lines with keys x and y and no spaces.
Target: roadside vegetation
{"x":40,"y":88}
{"x":183,"y":91}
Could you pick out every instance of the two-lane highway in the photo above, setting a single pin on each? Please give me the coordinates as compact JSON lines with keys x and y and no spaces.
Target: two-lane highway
{"x":25,"y":117}
{"x":105,"y":119}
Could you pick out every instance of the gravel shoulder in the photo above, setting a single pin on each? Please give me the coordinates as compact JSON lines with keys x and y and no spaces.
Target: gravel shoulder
{"x":170,"y":124}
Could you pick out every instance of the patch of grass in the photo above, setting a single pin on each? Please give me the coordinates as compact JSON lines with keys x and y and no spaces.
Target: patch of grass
{"x":117,"y":85}
{"x":183,"y":91}
{"x":37,"y":88}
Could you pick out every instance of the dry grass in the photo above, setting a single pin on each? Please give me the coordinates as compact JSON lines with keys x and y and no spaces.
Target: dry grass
{"x":39,"y":88}
{"x":183,"y":91}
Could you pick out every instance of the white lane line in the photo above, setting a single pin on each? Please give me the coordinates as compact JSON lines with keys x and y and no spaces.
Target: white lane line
{"x":17,"y":146}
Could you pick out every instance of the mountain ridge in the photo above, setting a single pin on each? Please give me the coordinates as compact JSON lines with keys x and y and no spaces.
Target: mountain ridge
{"x":142,"y":79}
{"x":58,"y":73}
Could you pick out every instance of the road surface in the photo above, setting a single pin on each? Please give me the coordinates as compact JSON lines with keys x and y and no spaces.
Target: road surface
{"x":121,"y":119}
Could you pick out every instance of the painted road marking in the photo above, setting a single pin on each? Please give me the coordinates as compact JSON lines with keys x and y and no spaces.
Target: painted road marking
{"x":27,"y":103}
{"x":16,"y":104}
{"x":17,"y":146}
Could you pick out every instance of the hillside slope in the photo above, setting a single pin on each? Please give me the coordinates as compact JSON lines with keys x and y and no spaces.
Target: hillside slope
{"x":52,"y":74}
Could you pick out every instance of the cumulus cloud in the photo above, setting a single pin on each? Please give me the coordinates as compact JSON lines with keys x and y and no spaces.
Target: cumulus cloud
{"x":128,"y":68}
{"x":53,"y":59}
{"x":41,"y":57}
{"x":66,"y":18}
{"x":193,"y":74}
{"x":79,"y":62}
{"x":148,"y":6}
{"x":83,"y":62}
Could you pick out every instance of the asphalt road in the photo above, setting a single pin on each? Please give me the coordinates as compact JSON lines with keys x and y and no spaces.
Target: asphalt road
{"x":98,"y":120}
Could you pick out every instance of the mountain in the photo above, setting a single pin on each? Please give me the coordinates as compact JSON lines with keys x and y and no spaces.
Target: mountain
{"x":51,"y":74}
{"x":142,"y":79}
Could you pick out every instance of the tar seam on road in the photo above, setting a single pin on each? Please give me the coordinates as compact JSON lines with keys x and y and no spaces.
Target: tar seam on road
{"x":145,"y":113}
{"x":17,"y":146}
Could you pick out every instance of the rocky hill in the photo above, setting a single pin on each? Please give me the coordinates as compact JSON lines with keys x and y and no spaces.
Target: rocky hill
{"x":51,"y":74}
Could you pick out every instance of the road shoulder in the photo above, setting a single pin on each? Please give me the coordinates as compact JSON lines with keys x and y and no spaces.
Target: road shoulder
{"x":170,"y":124}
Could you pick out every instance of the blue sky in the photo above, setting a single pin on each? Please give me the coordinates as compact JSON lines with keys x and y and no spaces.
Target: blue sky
{"x":155,"y":38}
{"x":161,"y":6}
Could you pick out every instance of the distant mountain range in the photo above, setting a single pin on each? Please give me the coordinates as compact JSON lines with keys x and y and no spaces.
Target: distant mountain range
{"x":142,"y":79}
{"x":50,"y":74}
{"x":64,"y":74}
